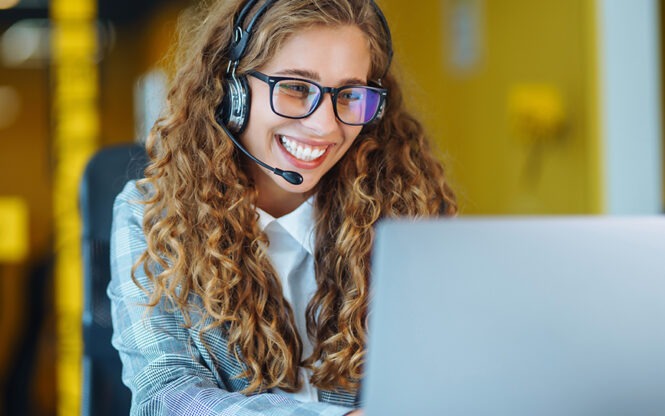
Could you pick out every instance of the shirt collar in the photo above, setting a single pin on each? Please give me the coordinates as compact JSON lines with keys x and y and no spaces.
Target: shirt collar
{"x":299,"y":223}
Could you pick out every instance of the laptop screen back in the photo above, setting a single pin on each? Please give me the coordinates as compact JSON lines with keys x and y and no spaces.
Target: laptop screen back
{"x":520,"y":316}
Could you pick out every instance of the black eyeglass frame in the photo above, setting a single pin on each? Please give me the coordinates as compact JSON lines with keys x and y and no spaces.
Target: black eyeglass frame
{"x":272,"y":81}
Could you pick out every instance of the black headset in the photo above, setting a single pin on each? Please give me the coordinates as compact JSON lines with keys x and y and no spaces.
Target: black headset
{"x":233,"y":111}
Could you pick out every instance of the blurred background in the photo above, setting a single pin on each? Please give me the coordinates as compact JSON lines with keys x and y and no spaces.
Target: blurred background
{"x":549,"y":107}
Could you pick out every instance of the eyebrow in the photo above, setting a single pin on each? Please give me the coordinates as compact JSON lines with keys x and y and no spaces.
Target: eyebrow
{"x":304,"y":73}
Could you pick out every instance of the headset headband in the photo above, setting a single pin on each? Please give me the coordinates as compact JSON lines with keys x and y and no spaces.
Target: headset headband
{"x":241,"y":36}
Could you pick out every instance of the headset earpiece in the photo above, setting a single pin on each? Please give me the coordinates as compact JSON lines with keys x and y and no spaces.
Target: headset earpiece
{"x":234,"y":110}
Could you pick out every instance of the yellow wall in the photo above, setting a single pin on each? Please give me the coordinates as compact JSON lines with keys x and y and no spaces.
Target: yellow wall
{"x":522,"y":42}
{"x":139,"y":47}
{"x":24,"y":174}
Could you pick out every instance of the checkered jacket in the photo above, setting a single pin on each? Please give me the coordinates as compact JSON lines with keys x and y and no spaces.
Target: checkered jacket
{"x":166,"y":365}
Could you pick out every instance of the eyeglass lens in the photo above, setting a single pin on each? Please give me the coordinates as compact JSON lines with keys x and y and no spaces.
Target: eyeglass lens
{"x":296,"y":98}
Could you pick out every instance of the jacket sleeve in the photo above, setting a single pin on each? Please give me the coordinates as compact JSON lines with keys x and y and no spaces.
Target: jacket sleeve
{"x":162,"y":367}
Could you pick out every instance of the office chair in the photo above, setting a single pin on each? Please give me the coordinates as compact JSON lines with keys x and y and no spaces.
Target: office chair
{"x":103,"y":179}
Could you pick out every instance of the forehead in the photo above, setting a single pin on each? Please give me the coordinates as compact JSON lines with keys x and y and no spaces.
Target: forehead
{"x":333,"y":53}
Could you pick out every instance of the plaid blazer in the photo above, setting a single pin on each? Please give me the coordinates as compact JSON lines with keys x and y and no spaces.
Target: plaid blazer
{"x":166,"y":365}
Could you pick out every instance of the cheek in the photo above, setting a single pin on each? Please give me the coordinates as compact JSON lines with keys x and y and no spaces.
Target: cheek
{"x":351,"y":134}
{"x":258,"y":123}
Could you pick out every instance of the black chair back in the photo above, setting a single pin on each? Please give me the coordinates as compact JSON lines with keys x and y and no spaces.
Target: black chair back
{"x":103,"y":179}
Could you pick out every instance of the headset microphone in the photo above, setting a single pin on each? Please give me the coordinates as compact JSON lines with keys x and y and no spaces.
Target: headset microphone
{"x":291,"y":177}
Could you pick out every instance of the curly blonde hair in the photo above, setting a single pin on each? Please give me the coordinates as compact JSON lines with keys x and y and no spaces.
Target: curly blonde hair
{"x":201,"y":224}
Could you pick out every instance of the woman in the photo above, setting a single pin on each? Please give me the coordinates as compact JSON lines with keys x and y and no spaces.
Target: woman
{"x":239,"y":291}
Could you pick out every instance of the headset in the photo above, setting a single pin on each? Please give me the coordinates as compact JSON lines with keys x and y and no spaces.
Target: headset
{"x":233,"y":112}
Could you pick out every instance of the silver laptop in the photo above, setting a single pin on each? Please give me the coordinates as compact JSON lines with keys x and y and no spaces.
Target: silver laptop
{"x":518,"y":316}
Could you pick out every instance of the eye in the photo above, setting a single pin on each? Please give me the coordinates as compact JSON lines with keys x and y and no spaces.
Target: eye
{"x":350,"y":95}
{"x":295,"y":89}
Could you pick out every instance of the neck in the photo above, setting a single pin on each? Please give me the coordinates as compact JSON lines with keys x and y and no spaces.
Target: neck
{"x":274,"y":199}
{"x":280,"y":205}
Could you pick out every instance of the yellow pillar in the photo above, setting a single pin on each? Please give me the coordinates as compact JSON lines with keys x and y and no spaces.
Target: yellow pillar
{"x":75,"y":133}
{"x":14,"y":229}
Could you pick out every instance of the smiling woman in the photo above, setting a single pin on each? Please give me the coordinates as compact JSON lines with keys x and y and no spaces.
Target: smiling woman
{"x":241,"y":262}
{"x":289,"y":142}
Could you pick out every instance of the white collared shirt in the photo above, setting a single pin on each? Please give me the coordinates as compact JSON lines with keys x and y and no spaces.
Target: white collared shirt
{"x":291,"y":252}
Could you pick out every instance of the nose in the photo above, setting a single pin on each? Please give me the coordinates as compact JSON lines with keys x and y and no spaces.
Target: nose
{"x":322,"y":121}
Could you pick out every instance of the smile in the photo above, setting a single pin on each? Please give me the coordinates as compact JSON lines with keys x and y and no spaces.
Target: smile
{"x":302,"y":151}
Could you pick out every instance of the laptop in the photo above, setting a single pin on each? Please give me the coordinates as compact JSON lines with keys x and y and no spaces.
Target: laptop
{"x":517,"y":316}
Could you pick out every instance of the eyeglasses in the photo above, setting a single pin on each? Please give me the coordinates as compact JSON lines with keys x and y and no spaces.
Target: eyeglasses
{"x":297,"y":98}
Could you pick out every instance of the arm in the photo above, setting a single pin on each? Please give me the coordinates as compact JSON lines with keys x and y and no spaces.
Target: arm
{"x":166,"y":372}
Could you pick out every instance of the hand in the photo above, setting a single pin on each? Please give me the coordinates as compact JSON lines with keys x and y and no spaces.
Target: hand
{"x":357,"y":412}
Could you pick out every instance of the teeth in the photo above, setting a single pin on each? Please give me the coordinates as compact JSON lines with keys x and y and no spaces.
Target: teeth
{"x":302,"y":151}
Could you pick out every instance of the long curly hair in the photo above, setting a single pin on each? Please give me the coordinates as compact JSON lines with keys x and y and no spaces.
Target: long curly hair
{"x":201,"y":224}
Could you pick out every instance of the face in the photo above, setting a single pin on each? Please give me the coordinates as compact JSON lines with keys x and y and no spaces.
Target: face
{"x":331,"y":57}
